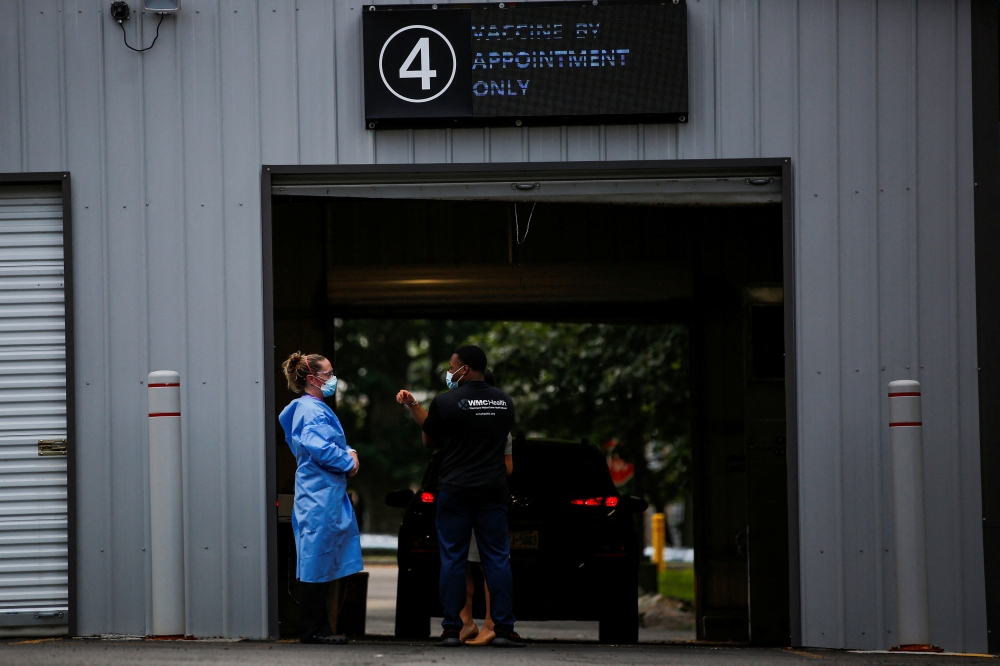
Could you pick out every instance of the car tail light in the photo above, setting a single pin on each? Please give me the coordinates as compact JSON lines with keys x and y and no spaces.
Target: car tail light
{"x":427,"y":498}
{"x":596,"y":501}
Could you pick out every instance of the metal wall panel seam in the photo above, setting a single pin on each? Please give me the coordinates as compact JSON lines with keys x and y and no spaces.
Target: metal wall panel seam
{"x":267,"y":473}
{"x":935,"y":281}
{"x":246,"y":477}
{"x":880,"y":634}
{"x":821,"y":476}
{"x":61,"y":57}
{"x":123,"y":114}
{"x":716,"y":76}
{"x":957,"y":525}
{"x":839,"y":440}
{"x":336,"y":90}
{"x":205,"y":327}
{"x":297,"y":93}
{"x":224,"y":416}
{"x":10,"y":90}
{"x":22,"y":75}
{"x":735,"y":79}
{"x":353,"y":146}
{"x":109,"y":603}
{"x":182,"y":323}
{"x":144,"y":325}
{"x":895,"y":154}
{"x":858,"y":130}
{"x":755,"y":33}
{"x":804,"y":625}
{"x":44,"y":92}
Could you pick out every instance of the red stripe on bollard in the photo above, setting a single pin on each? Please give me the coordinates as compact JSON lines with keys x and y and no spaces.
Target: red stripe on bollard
{"x":167,"y":385}
{"x":906,"y":423}
{"x":165,"y":414}
{"x":904,"y":395}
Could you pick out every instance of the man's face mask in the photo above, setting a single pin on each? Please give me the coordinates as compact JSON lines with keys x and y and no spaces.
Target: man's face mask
{"x":450,"y":380}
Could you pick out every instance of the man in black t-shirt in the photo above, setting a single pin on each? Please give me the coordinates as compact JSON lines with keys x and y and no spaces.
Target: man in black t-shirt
{"x":470,"y":424}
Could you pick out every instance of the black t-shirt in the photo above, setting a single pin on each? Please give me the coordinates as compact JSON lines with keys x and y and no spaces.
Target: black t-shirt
{"x":470,"y":425}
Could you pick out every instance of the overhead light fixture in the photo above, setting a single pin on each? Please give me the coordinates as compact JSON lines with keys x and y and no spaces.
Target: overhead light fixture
{"x":162,"y":6}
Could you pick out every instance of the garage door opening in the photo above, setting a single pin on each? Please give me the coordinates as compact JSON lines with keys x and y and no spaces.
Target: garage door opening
{"x":474,"y":261}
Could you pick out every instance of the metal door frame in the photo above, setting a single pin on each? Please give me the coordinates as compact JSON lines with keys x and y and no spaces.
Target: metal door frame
{"x":63,"y":180}
{"x":582,"y":171}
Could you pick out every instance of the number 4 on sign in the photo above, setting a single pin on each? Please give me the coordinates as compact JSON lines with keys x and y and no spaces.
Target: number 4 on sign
{"x":425,"y":73}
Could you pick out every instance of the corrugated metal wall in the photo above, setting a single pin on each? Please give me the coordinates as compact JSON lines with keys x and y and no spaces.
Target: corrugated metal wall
{"x":34,"y":567}
{"x":870,"y":99}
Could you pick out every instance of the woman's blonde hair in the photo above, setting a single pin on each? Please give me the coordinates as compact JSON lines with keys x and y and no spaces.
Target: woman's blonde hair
{"x":298,"y":366}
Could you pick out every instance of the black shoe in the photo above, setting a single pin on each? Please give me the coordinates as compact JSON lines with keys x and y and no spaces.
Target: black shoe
{"x":450,"y":638}
{"x":508,"y":639}
{"x":325,"y":639}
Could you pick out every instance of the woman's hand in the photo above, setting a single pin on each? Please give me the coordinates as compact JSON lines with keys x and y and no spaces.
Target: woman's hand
{"x":357,"y":463}
{"x":404,"y":397}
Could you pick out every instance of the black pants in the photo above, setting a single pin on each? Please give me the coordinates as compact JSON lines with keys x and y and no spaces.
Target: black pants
{"x":313,"y":619}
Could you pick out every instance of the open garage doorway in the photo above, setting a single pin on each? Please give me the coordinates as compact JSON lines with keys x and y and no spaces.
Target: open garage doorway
{"x":699,"y":252}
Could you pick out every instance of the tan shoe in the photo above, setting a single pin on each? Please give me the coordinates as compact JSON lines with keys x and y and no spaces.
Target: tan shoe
{"x":485,"y":637}
{"x":468,"y":632}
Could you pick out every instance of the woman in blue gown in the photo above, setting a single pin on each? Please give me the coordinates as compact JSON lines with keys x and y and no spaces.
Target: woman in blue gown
{"x":327,"y":542}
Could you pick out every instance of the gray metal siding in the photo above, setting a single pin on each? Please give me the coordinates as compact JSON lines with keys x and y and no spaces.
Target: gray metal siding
{"x":869,"y":99}
{"x":33,"y":499}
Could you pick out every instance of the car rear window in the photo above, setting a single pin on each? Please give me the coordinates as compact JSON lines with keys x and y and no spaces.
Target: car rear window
{"x":559,"y":471}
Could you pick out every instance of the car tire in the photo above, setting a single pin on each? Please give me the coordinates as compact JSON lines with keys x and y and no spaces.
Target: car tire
{"x":411,"y":621}
{"x":621,"y":630}
{"x":619,"y":622}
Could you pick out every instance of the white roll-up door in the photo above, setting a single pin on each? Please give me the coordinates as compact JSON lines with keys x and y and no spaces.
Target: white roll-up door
{"x":34,"y":587}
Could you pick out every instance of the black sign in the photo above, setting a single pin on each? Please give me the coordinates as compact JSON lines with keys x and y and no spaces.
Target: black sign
{"x":525,"y":64}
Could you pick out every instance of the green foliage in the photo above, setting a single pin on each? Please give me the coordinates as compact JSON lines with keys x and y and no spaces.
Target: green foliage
{"x":573,"y":381}
{"x":678,"y":583}
{"x":604,"y":382}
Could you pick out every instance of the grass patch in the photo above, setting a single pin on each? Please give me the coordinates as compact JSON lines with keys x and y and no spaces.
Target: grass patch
{"x":678,"y":583}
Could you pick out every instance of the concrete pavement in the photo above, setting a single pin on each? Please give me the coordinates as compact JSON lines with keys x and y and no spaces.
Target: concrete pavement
{"x":382,"y":612}
{"x":97,"y":652}
{"x":553,"y":643}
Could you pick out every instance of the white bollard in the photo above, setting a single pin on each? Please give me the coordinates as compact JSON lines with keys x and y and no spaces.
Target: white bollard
{"x":166,"y":504}
{"x":906,"y":449}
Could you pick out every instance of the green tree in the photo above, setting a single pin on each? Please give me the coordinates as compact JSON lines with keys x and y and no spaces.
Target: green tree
{"x":604,"y":382}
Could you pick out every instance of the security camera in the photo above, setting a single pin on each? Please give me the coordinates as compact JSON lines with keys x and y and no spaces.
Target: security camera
{"x":120,"y":11}
{"x":162,"y":6}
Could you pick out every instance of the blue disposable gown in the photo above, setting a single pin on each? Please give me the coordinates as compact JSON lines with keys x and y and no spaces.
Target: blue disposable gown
{"x":326,"y":531}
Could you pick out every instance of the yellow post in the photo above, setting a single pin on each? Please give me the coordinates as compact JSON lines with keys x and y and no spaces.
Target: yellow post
{"x":659,"y":541}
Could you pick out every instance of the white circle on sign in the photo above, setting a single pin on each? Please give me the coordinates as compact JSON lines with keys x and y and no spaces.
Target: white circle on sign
{"x":454,"y":64}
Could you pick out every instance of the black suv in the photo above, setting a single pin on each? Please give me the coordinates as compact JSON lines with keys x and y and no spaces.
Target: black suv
{"x":574,"y":550}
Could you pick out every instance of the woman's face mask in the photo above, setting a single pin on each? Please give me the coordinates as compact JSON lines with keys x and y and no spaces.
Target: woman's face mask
{"x":329,"y":387}
{"x":450,"y":380}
